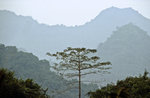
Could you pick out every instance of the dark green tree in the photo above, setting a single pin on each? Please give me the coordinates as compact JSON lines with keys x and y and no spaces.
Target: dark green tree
{"x":131,"y":87}
{"x":75,"y":61}
{"x":11,"y":87}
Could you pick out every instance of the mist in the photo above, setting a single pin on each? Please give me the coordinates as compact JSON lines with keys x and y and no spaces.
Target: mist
{"x":120,"y":36}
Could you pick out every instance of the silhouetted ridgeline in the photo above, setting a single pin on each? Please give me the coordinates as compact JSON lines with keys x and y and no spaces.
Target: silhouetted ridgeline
{"x":26,"y":33}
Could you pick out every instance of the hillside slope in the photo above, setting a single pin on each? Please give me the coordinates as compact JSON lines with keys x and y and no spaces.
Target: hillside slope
{"x":128,"y":51}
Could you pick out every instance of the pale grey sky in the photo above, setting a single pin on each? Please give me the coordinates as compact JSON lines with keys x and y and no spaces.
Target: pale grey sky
{"x":69,"y":12}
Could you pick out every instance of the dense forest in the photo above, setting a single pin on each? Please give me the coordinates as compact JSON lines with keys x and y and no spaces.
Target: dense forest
{"x":26,"y":65}
{"x":131,"y":87}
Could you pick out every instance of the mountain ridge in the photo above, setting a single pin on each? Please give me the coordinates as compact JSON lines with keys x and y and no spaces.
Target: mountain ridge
{"x":103,"y":11}
{"x":115,"y":9}
{"x":26,"y":33}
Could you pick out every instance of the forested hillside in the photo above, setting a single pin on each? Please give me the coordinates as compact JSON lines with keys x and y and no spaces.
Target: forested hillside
{"x":26,"y":65}
{"x":128,"y":49}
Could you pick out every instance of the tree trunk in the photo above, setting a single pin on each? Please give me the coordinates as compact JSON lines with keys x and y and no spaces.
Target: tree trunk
{"x":79,"y":76}
{"x":79,"y":83}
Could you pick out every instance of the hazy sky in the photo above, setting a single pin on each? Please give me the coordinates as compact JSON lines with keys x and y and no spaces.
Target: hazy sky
{"x":70,"y":12}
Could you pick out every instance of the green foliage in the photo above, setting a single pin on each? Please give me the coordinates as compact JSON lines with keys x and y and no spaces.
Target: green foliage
{"x":11,"y":87}
{"x":131,"y":87}
{"x":26,"y":65}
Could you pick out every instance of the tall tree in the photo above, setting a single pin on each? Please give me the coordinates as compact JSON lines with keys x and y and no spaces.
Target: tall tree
{"x":77,"y":59}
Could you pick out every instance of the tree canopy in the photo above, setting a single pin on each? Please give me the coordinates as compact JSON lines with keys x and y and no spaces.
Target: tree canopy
{"x":73,"y":61}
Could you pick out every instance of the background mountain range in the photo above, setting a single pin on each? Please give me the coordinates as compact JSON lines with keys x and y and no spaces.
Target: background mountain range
{"x":27,"y":34}
{"x":121,"y":36}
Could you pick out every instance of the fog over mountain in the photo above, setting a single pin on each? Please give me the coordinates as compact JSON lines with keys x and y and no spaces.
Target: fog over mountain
{"x":128,"y":50}
{"x":29,"y":35}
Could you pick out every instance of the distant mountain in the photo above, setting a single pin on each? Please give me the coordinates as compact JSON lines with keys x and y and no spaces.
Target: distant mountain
{"x":128,"y":49}
{"x":28,"y":34}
